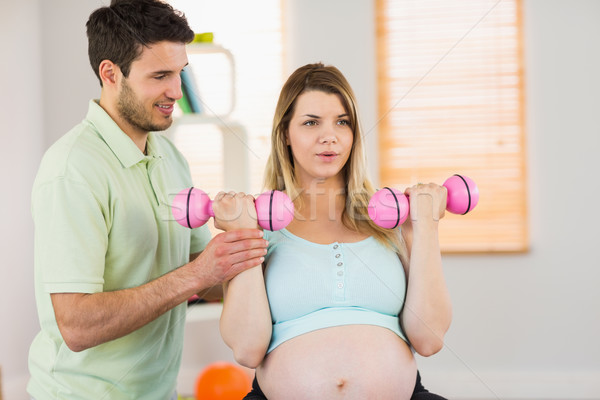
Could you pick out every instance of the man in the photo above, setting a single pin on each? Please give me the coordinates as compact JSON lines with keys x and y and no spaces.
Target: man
{"x":113,"y":270}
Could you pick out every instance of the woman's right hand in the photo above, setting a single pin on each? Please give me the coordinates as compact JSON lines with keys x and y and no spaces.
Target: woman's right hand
{"x":234,"y":211}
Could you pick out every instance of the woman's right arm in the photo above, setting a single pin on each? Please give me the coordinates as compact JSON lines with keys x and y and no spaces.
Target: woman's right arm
{"x":246,"y":318}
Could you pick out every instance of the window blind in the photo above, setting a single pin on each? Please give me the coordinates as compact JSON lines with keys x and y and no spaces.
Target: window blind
{"x":451,"y":100}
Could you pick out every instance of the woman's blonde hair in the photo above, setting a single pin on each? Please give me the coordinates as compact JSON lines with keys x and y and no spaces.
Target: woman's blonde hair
{"x":279,"y":173}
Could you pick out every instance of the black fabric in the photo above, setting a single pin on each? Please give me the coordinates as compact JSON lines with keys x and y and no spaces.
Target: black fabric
{"x":420,"y":393}
{"x":256,"y":393}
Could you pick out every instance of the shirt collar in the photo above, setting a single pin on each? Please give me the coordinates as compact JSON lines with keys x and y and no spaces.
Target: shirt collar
{"x":120,"y":144}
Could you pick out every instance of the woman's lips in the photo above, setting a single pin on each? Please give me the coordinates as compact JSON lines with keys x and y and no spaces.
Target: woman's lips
{"x":327,"y":156}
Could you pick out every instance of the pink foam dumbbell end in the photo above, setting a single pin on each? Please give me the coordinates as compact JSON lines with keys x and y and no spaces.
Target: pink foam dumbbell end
{"x":388,"y":208}
{"x":192,"y":207}
{"x":463,"y":194}
{"x":274,"y":210}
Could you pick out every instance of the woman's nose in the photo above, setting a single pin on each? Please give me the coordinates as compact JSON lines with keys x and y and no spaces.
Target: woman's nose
{"x":327,"y":137}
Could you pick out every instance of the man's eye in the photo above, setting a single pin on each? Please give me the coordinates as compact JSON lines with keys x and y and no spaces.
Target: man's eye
{"x":160,"y":77}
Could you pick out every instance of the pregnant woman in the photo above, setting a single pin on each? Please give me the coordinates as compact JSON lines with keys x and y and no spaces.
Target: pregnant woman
{"x":339,"y":304}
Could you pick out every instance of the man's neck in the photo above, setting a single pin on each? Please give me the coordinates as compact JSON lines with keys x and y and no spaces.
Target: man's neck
{"x":139,"y":138}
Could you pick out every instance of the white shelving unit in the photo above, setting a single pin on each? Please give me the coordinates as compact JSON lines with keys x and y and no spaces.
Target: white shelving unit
{"x":235,"y":147}
{"x":202,"y":344}
{"x":215,"y":76}
{"x":217,"y":113}
{"x":204,"y":312}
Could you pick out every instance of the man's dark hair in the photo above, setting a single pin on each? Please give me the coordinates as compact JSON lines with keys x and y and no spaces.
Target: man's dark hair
{"x":119,"y":32}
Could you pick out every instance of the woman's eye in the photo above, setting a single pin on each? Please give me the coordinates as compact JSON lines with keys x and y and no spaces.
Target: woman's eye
{"x":344,"y":122}
{"x":310,"y":123}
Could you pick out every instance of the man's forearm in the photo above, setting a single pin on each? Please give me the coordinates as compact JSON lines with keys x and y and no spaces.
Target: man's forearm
{"x":87,"y":320}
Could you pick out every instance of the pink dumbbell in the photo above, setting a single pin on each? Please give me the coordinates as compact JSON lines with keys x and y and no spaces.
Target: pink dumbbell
{"x":389,"y":208}
{"x":192,"y":208}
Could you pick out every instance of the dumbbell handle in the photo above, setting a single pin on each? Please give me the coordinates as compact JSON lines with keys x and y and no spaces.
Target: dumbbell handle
{"x":389,"y":207}
{"x":192,"y":208}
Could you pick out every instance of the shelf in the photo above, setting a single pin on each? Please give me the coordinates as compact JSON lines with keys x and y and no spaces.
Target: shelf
{"x":204,"y":312}
{"x":202,"y":119}
{"x":235,"y":148}
{"x":213,"y":69}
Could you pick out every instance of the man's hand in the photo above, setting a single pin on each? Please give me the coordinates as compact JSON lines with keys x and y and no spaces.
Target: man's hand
{"x":228,"y":254}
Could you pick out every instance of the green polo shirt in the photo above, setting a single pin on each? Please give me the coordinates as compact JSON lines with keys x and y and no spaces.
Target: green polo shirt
{"x":103,"y":223}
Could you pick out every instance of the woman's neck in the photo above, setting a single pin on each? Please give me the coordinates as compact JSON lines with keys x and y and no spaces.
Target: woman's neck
{"x":318,"y":216}
{"x":322,"y":200}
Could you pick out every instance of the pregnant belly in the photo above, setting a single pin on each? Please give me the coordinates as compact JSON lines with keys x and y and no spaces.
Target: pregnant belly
{"x":344,"y":362}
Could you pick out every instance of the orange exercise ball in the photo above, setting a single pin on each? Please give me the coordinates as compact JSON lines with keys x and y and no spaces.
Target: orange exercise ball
{"x":222,"y":381}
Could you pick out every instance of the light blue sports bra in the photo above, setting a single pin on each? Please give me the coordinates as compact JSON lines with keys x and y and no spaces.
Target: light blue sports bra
{"x":314,"y":286}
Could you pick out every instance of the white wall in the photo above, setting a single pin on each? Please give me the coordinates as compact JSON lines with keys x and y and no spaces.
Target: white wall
{"x":69,"y":82}
{"x":525,"y":325}
{"x":46,"y":81}
{"x":21,"y":117}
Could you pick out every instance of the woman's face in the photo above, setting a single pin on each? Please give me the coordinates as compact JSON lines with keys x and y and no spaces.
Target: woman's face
{"x":320,"y":137}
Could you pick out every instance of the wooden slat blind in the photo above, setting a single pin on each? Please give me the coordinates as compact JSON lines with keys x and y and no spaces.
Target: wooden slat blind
{"x":450,"y":79}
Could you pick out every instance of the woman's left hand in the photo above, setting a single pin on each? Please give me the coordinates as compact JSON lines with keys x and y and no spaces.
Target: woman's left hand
{"x":427,"y":202}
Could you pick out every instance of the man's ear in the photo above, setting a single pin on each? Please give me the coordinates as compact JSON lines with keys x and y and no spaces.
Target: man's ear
{"x":109,"y":72}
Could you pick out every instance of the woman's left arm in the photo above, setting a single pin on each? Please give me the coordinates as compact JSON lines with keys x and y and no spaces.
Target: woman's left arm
{"x":427,"y":311}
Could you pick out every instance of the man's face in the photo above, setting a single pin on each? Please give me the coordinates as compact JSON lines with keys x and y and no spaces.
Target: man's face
{"x":147,"y":97}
